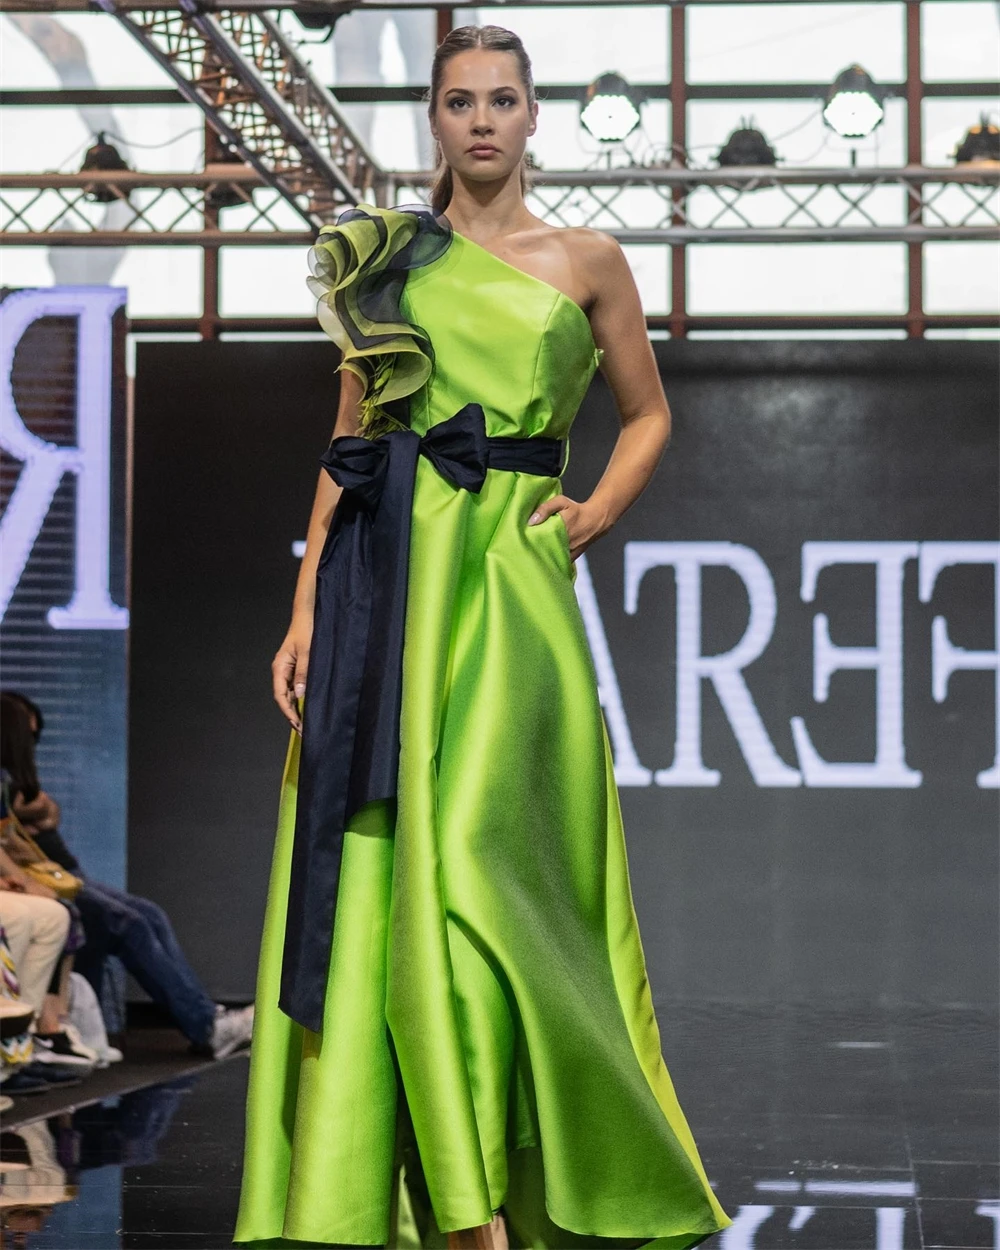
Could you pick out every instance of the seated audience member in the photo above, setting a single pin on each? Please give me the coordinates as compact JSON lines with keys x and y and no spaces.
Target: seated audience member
{"x":35,"y":928}
{"x":134,"y":929}
{"x":35,"y":918}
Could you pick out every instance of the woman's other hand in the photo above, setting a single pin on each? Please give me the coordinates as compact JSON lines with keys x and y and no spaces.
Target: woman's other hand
{"x":584,"y":522}
{"x":289,"y":668}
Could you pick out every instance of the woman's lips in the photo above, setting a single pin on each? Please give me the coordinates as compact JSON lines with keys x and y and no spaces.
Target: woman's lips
{"x":483,"y":151}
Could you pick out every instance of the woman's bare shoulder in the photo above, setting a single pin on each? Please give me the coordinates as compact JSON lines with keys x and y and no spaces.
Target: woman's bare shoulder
{"x":597,"y":261}
{"x":582,"y":260}
{"x":588,"y":247}
{"x":597,"y":252}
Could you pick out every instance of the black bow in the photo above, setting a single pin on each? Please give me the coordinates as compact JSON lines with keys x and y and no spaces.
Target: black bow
{"x":458,"y":448}
{"x":350,"y":719}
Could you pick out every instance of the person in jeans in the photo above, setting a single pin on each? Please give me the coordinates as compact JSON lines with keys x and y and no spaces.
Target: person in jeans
{"x":115,"y":922}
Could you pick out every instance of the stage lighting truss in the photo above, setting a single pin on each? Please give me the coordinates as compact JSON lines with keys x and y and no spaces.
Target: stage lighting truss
{"x":768,"y":205}
{"x":139,"y":209}
{"x":730,"y":205}
{"x":262,"y":99}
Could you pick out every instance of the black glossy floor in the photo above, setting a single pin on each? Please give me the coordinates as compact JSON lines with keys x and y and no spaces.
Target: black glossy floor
{"x":822,"y":1128}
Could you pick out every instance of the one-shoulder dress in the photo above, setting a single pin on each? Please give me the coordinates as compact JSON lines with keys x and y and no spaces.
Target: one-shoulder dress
{"x":453,"y":1015}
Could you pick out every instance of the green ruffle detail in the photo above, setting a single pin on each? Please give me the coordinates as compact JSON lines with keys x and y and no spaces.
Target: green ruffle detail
{"x":358,"y":268}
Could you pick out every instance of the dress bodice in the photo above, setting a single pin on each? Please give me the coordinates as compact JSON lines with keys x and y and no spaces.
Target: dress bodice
{"x":502,"y":338}
{"x":432,"y":321}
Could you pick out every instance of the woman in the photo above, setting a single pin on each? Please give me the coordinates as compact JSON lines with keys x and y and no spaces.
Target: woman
{"x":454,"y":1029}
{"x":134,"y":929}
{"x":44,"y":933}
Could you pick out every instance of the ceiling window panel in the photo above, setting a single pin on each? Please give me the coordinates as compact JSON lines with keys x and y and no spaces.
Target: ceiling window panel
{"x":793,"y":42}
{"x":962,"y":277}
{"x":264,"y":282}
{"x":73,"y":50}
{"x":771,"y":278}
{"x":960,"y":40}
{"x":573,"y":45}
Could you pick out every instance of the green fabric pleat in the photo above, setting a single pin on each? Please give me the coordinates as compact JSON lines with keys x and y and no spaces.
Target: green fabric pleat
{"x":489,"y":1037}
{"x":358,"y":267}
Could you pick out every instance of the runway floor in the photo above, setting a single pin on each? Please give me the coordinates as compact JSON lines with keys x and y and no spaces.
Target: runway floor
{"x":822,"y":1128}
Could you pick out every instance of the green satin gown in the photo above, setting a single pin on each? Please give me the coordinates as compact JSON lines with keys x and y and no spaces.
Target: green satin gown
{"x":489,"y":1040}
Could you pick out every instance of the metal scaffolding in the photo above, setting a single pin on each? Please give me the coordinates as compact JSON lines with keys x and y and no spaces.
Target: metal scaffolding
{"x":636,"y":206}
{"x":280,"y":160}
{"x":261,"y":99}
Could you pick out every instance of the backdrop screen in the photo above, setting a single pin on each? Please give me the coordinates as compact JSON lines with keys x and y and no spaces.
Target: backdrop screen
{"x":795,"y":633}
{"x":63,"y":613}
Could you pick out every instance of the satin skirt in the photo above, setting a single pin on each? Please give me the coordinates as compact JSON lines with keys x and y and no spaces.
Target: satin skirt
{"x":489,"y":1038}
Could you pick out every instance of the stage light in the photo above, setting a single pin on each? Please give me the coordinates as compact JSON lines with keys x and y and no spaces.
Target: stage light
{"x":854,"y":103}
{"x":981,"y":145}
{"x":102,"y":156}
{"x":746,"y":146}
{"x":324,"y":14}
{"x":610,"y":108}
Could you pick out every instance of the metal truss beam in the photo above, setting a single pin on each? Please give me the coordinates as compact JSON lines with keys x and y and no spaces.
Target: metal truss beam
{"x":337,"y":7}
{"x":880,"y":323}
{"x":262,"y":99}
{"x":562,"y":92}
{"x":637,"y":206}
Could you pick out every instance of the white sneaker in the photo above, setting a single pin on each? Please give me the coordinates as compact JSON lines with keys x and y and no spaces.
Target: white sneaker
{"x":80,"y":1047}
{"x":233,"y":1028}
{"x":87,"y":1021}
{"x":59,"y":1050}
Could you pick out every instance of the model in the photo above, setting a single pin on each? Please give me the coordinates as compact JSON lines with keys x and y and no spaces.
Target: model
{"x":454,"y":1031}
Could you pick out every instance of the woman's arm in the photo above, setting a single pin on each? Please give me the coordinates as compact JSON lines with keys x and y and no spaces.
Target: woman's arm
{"x":619,"y":326}
{"x":291,"y":663}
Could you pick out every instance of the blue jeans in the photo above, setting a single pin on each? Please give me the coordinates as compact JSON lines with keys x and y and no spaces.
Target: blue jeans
{"x":140,"y":934}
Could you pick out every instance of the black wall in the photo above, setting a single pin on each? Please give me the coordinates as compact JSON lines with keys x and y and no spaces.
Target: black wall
{"x":748,"y":888}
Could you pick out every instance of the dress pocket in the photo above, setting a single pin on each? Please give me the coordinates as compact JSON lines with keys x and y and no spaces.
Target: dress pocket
{"x":560,"y":526}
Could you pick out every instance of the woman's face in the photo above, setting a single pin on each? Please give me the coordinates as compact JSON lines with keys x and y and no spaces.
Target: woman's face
{"x":482,"y":102}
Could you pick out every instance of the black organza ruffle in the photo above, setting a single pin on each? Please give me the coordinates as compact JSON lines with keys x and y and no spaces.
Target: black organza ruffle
{"x":359,"y":267}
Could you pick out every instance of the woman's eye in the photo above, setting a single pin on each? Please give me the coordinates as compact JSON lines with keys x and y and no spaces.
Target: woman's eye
{"x":503,"y":99}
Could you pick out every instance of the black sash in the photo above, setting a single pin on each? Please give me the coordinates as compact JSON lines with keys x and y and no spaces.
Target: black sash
{"x":350,"y":718}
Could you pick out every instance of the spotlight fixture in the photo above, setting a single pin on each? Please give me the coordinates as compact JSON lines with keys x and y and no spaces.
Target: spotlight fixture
{"x":746,"y":146}
{"x":104,"y":157}
{"x":610,"y":108}
{"x":854,"y":103}
{"x":981,"y":145}
{"x":323,"y":14}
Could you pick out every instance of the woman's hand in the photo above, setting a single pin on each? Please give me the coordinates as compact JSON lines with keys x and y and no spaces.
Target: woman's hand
{"x":40,"y":814}
{"x":18,"y":882}
{"x":289,"y":667}
{"x":31,"y":886}
{"x":584,"y":522}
